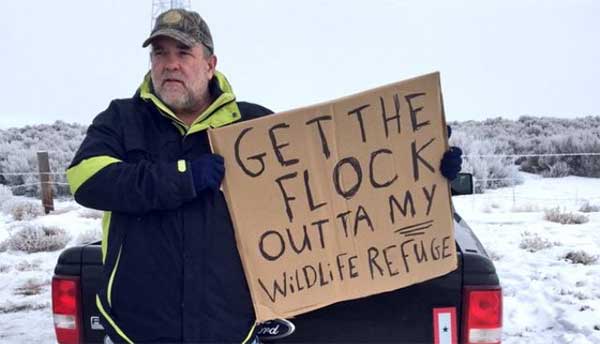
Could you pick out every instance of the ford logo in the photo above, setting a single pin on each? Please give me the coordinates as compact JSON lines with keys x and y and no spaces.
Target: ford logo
{"x":275,"y":329}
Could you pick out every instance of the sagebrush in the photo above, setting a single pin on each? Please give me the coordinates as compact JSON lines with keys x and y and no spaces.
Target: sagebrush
{"x":525,"y":208}
{"x":27,"y":266}
{"x":17,"y":308}
{"x":534,"y":243}
{"x":581,"y":257}
{"x":31,"y":287}
{"x":496,"y":136}
{"x":30,"y":237}
{"x":19,"y":147}
{"x":564,"y":217}
{"x":589,"y":208}
{"x":23,"y":209}
{"x":5,"y":194}
{"x":541,"y":135}
{"x":488,"y":172}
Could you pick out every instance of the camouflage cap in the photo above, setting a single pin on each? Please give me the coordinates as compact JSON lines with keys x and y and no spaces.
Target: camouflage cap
{"x":185,"y":26}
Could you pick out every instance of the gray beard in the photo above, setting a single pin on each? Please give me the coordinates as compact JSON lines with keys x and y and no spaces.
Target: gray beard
{"x":181,"y":104}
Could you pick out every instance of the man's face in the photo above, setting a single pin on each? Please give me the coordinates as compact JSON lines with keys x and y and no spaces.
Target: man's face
{"x":180,"y":74}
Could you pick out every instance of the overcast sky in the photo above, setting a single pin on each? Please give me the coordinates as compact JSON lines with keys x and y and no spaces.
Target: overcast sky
{"x":67,"y":59}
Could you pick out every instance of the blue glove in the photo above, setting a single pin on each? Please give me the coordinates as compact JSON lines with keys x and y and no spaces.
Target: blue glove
{"x":451,"y":163}
{"x":208,"y":172}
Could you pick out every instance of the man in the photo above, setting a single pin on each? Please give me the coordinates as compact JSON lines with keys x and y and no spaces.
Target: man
{"x":172,"y":272}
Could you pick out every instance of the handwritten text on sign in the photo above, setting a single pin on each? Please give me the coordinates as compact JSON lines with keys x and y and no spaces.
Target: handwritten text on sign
{"x":340,"y":200}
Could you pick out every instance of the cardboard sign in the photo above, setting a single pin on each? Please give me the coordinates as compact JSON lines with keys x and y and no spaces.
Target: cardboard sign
{"x":340,"y":200}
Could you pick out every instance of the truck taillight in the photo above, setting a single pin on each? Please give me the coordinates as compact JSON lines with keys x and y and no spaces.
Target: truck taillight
{"x":66,"y":303}
{"x":482,"y":323}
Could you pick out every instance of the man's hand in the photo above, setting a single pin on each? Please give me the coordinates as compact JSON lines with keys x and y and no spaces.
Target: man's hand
{"x":451,"y":163}
{"x":208,"y":172}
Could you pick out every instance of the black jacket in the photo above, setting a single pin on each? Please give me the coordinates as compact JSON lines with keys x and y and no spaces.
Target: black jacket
{"x":172,"y":271}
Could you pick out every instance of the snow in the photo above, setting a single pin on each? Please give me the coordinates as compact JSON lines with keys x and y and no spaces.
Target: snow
{"x":547,"y":298}
{"x":25,"y":295}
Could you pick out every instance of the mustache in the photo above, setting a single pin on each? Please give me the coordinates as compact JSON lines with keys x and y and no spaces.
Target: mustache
{"x":171,"y":77}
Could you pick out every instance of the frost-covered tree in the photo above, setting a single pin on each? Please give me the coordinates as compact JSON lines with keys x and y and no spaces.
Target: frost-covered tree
{"x":495,"y":136}
{"x":532,"y":135}
{"x":18,"y":155}
{"x":489,"y":172}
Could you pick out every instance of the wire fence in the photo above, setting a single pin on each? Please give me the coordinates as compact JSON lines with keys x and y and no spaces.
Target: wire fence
{"x":518,"y":195}
{"x":466,"y":156}
{"x":14,"y":187}
{"x":521,"y":197}
{"x":533,"y":155}
{"x":32,"y":173}
{"x":512,"y":182}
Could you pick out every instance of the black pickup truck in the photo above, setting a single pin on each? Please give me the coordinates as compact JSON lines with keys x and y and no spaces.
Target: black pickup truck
{"x":464,"y":306}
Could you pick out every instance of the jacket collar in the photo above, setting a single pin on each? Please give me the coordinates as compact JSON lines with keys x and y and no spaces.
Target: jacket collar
{"x":223,"y":110}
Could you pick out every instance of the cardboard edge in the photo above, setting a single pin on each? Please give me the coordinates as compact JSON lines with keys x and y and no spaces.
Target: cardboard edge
{"x":435,"y":74}
{"x":240,"y":244}
{"x":446,"y":147}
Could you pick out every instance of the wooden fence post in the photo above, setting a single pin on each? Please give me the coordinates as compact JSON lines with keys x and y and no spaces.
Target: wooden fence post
{"x":45,"y":181}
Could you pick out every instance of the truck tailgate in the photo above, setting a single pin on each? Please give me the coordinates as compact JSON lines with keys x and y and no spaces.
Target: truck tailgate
{"x":400,"y":316}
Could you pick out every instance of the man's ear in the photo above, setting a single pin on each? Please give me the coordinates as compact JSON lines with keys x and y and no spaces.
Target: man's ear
{"x":212,"y":65}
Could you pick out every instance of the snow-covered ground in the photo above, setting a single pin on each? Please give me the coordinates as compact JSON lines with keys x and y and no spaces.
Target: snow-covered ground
{"x":25,"y":295}
{"x":547,"y":298}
